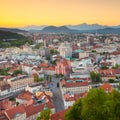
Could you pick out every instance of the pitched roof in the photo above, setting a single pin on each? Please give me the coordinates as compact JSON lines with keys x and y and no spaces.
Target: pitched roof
{"x":109,"y":72}
{"x":107,"y":87}
{"x":11,"y":113}
{"x":36,"y":108}
{"x":59,"y":115}
{"x":3,"y":116}
{"x":6,"y":104}
{"x":64,"y":62}
{"x":52,"y":68}
{"x":74,"y":84}
{"x":25,"y":96}
{"x":44,"y":65}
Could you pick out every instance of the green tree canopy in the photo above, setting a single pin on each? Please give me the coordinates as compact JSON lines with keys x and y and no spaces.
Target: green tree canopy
{"x":97,"y":105}
{"x":52,"y":51}
{"x":44,"y":115}
{"x":16,"y":72}
{"x":75,"y":112}
{"x":95,"y":77}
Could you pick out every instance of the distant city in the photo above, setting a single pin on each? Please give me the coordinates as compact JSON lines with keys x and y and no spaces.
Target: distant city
{"x":53,"y":68}
{"x":60,"y":60}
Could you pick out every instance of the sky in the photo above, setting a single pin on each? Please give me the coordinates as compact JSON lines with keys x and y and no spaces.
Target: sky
{"x":18,"y":13}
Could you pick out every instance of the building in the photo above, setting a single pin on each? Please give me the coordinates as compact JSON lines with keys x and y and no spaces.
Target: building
{"x":20,"y":81}
{"x":27,"y":68}
{"x":59,"y":115}
{"x":75,"y":86}
{"x":5,"y":64}
{"x":109,"y":73}
{"x":63,"y":67}
{"x":6,"y":104}
{"x":16,"y":113}
{"x":81,"y":53}
{"x":33,"y":110}
{"x":65,"y":50}
{"x":107,"y":87}
{"x":25,"y":98}
{"x":3,"y":116}
{"x":69,"y":98}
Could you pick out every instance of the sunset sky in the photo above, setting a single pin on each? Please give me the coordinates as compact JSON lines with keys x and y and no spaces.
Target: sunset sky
{"x":18,"y":13}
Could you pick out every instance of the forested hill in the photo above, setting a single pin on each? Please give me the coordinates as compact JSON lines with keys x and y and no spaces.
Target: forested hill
{"x":8,"y":39}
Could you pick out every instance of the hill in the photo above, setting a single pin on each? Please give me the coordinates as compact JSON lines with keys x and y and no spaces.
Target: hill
{"x":15,"y":30}
{"x":8,"y":39}
{"x":109,"y":31}
{"x":54,"y":29}
{"x":86,"y":26}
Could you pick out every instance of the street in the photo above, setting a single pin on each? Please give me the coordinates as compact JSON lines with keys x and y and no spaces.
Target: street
{"x":57,"y":97}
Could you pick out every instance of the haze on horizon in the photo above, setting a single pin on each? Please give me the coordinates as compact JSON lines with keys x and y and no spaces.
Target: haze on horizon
{"x":18,"y":13}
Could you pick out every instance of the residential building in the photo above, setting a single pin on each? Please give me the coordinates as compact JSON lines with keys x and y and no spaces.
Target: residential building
{"x":16,"y":113}
{"x":17,"y":82}
{"x":74,"y":86}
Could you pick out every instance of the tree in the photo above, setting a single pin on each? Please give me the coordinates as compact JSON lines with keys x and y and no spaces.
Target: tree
{"x":4,"y":71}
{"x":49,"y":78}
{"x":97,"y":105}
{"x":16,"y":72}
{"x":93,"y":51}
{"x":116,"y":66}
{"x":95,"y":77}
{"x":17,"y":103}
{"x":111,"y":80}
{"x":104,"y":67}
{"x":93,"y":105}
{"x":37,"y":79}
{"x":44,"y":115}
{"x":75,"y":112}
{"x":52,"y":51}
{"x":54,"y":62}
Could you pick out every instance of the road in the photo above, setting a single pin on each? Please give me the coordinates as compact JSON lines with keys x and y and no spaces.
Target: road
{"x":57,"y":97}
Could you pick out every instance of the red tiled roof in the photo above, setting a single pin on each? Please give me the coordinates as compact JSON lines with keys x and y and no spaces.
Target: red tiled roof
{"x":107,"y":87}
{"x":25,"y":96}
{"x":82,"y":95}
{"x":7,"y":77}
{"x":52,"y":68}
{"x":115,"y":53}
{"x":94,"y":47}
{"x":36,"y":108}
{"x":85,"y":79}
{"x":29,"y":65}
{"x":69,"y":97}
{"x":6,"y":104}
{"x":3,"y":116}
{"x":109,"y":72}
{"x":59,"y":115}
{"x":43,"y":65}
{"x":76,"y":84}
{"x":36,"y":68}
{"x":11,"y":113}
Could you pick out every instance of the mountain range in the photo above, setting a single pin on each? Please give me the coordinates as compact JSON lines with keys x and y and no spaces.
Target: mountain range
{"x":83,"y":26}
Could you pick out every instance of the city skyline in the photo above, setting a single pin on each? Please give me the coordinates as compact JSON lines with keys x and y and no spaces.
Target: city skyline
{"x":20,"y":13}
